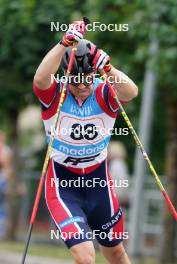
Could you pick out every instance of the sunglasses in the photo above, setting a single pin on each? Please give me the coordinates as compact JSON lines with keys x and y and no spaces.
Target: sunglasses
{"x":76,"y":80}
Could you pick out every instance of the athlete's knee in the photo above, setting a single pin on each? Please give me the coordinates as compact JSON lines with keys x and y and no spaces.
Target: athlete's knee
{"x":83,"y":253}
{"x":85,"y":258}
{"x":116,"y":254}
{"x":118,"y":251}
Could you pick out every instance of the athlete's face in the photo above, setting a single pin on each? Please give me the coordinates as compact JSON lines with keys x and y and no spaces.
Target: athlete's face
{"x":81,"y":85}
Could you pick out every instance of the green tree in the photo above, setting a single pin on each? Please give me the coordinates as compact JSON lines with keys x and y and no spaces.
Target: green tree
{"x":25,"y":38}
{"x":128,"y":51}
{"x":161,"y":19}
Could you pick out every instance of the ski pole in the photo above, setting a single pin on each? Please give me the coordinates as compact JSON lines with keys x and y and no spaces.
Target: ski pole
{"x":139,"y":144}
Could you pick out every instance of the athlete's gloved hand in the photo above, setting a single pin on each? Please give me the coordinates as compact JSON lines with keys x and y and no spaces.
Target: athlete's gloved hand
{"x":74,"y":34}
{"x":101,"y":60}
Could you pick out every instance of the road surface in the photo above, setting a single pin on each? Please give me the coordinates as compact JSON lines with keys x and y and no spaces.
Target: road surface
{"x":15,"y":258}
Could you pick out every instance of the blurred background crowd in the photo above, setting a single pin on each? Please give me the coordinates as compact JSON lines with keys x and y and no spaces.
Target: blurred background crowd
{"x":147,"y":53}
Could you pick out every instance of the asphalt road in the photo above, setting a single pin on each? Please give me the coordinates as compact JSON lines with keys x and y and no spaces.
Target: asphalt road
{"x":15,"y":258}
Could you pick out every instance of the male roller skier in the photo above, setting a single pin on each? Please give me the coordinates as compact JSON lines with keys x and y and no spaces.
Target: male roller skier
{"x":80,"y":153}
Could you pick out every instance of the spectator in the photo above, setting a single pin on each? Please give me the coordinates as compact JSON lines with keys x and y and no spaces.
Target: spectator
{"x":119,"y":171}
{"x":5,"y":167}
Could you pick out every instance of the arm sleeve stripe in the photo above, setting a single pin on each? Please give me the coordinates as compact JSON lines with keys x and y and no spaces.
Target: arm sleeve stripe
{"x":51,"y":111}
{"x":45,"y":96}
{"x":102,"y":101}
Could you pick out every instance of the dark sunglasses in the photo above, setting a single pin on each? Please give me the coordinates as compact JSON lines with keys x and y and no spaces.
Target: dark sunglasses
{"x":76,"y":80}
